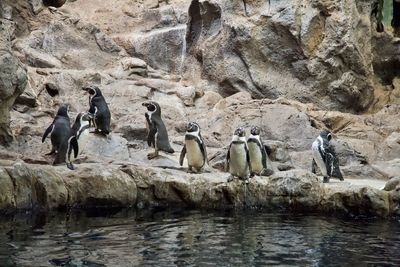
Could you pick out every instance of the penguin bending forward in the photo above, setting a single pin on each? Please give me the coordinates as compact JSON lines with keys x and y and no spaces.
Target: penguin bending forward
{"x":324,"y":156}
{"x":238,"y":158}
{"x":194,"y":148}
{"x":157,"y":136}
{"x":258,"y":155}
{"x":80,"y":135}
{"x":60,"y":134}
{"x":98,"y":108}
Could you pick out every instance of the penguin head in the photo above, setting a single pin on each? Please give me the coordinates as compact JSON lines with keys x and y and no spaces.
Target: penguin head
{"x":83,"y":116}
{"x":63,"y":110}
{"x":192,"y":127}
{"x":255,"y":130}
{"x":325,"y":134}
{"x":93,"y":90}
{"x":152,"y":107}
{"x":240,"y":132}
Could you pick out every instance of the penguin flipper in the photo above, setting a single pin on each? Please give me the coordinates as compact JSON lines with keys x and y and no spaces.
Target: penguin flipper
{"x":334,"y":168}
{"x":182,"y":156}
{"x":151,"y":137}
{"x":75,"y":146}
{"x":47,"y":132}
{"x":263,"y":155}
{"x":228,"y":156}
{"x":203,"y":148}
{"x":313,"y":166}
{"x":248,"y":157}
{"x":204,"y":151}
{"x":92,"y":109}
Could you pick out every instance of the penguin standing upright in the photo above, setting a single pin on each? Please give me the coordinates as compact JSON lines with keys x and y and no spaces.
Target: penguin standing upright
{"x":80,"y":134}
{"x":238,"y":158}
{"x":324,"y":156}
{"x":99,"y":109}
{"x":258,"y":155}
{"x":157,"y":136}
{"x":194,"y":148}
{"x":60,"y":134}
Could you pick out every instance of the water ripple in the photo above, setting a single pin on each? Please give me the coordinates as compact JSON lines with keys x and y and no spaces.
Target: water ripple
{"x":192,"y":238}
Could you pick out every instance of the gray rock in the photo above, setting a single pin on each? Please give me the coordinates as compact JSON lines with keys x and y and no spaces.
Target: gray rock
{"x":7,"y":199}
{"x":106,"y":44}
{"x":392,"y":184}
{"x":113,"y":147}
{"x":94,"y":186}
{"x":166,"y":57}
{"x":13,"y":80}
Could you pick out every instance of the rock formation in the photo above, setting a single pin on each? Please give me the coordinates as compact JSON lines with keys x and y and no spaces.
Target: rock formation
{"x":290,"y":68}
{"x":13,"y":77}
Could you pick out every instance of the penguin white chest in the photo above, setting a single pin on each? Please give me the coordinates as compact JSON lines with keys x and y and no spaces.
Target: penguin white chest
{"x":82,"y":141}
{"x":318,"y":158}
{"x":193,"y":153}
{"x":238,"y":161}
{"x":256,"y":159}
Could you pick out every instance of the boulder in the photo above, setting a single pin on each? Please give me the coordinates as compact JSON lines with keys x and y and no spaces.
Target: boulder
{"x":13,"y":80}
{"x":95,"y":186}
{"x":7,"y":199}
{"x":392,"y":184}
{"x":356,"y":200}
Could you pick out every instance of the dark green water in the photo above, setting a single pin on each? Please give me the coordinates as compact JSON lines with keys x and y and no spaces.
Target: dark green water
{"x":193,"y":238}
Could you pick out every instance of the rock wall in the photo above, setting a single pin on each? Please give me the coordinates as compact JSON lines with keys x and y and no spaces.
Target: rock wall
{"x":321,"y":48}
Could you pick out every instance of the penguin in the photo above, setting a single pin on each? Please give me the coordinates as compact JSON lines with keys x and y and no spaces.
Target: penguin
{"x":60,"y":134}
{"x":157,"y":136}
{"x":194,"y":149}
{"x":324,"y":156}
{"x":80,"y":135}
{"x":257,"y":152}
{"x":98,"y":108}
{"x":238,"y":157}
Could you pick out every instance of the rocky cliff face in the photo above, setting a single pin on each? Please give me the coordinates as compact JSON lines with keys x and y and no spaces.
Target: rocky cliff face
{"x":224,"y":64}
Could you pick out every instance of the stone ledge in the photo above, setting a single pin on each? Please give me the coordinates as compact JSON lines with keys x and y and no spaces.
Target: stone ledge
{"x":25,"y":187}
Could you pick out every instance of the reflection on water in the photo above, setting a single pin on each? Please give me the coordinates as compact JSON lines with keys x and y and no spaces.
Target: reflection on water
{"x":195,"y":238}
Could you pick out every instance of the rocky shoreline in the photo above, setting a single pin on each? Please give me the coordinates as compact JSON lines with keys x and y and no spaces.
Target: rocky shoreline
{"x":41,"y":187}
{"x":284,"y":67}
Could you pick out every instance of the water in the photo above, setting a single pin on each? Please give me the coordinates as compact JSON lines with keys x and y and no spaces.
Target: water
{"x":193,"y":238}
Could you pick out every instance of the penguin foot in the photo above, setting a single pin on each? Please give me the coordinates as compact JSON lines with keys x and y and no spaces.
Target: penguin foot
{"x":325,"y":180}
{"x":230,"y":179}
{"x":52,"y":152}
{"x":380,"y":27}
{"x":152,"y":155}
{"x":70,"y":166}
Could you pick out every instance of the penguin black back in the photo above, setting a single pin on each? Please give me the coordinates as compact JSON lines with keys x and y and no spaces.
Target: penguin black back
{"x":60,"y":131}
{"x":99,"y":109}
{"x":157,"y":132}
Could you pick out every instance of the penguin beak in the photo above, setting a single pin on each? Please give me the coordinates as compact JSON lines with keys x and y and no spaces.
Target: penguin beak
{"x":145,"y":104}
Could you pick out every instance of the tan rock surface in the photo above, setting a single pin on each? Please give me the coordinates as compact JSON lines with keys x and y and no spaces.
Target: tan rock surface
{"x":136,"y":51}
